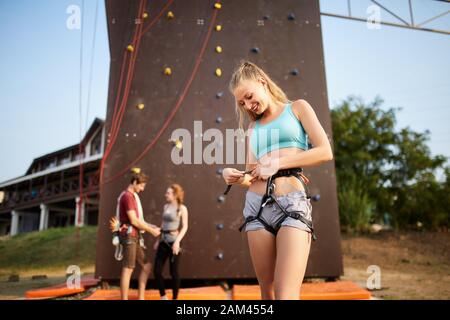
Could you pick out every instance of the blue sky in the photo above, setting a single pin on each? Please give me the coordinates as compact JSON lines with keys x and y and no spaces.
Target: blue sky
{"x":40,"y":72}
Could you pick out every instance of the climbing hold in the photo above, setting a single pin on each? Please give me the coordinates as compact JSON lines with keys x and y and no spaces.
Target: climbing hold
{"x":219,"y":226}
{"x":219,"y":95}
{"x":140,"y":106}
{"x":130,"y":48}
{"x":218,"y":27}
{"x":220,"y":256}
{"x":217,"y":5}
{"x":219,"y":171}
{"x":221,"y":199}
{"x":255,"y":50}
{"x":219,"y":119}
{"x":136,"y":170}
{"x":294,"y":72}
{"x":176,"y":143}
{"x":315,"y":197}
{"x":291,"y":16}
{"x":266,"y":17}
{"x":167,"y":71}
{"x":170,"y":15}
{"x":218,"y":72}
{"x":145,"y":15}
{"x":218,"y":49}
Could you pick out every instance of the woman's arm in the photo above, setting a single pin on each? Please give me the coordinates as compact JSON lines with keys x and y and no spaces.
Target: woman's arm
{"x":322,"y":149}
{"x":184,"y":223}
{"x":184,"y":227}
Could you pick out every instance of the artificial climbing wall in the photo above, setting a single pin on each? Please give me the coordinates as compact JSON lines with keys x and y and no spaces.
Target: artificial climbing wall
{"x":166,"y":72}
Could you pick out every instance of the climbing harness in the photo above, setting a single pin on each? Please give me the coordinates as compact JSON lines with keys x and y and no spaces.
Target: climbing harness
{"x":164,"y":240}
{"x":118,"y":253}
{"x":117,"y":227}
{"x":269,"y":197}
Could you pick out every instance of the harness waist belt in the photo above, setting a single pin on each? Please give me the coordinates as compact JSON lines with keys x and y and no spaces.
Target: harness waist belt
{"x":268,"y":197}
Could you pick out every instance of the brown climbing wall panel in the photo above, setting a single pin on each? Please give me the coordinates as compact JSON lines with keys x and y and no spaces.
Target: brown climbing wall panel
{"x":287,"y":35}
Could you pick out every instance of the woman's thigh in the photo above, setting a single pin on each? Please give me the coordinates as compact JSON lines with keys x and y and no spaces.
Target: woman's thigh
{"x":262,"y":246}
{"x":292,"y":246}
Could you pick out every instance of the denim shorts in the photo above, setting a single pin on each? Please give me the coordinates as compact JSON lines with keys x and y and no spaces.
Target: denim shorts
{"x":292,"y":202}
{"x":132,"y":253}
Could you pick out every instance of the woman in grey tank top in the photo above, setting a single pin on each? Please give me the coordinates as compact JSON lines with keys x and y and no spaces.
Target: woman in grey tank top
{"x":173,"y":228}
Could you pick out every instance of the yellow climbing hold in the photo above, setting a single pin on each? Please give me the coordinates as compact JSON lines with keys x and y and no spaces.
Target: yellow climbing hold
{"x":145,"y":15}
{"x":167,"y":71}
{"x":177,"y":144}
{"x":217,"y":5}
{"x":130,"y":48}
{"x":140,"y":106}
{"x":170,"y":15}
{"x":218,"y":27}
{"x":136,"y":170}
{"x":218,"y":72}
{"x":218,"y":49}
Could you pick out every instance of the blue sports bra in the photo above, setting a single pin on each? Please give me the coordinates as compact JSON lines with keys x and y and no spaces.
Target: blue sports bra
{"x":284,"y":132}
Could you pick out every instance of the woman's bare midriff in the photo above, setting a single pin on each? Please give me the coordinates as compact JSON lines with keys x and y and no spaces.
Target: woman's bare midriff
{"x":283,"y":185}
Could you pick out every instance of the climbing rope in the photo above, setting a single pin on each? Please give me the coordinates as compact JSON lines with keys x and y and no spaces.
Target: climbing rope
{"x":175,"y":108}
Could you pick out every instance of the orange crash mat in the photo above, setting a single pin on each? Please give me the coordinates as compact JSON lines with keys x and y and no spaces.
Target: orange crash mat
{"x":337,"y":290}
{"x":61,"y":290}
{"x":201,"y":293}
{"x":114,"y":294}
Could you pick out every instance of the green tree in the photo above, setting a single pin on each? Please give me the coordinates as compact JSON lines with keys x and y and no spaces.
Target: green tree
{"x":391,"y":172}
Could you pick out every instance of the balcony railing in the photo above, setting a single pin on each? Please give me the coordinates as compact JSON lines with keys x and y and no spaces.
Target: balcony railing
{"x":29,"y":195}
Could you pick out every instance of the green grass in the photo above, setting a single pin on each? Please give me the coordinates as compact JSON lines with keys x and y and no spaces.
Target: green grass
{"x":51,"y":249}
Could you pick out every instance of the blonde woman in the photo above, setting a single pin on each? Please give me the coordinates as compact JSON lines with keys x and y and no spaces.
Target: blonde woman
{"x":167,"y":246}
{"x":277,"y":207}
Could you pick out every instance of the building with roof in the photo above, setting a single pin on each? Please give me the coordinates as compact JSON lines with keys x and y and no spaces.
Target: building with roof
{"x":48,"y":194}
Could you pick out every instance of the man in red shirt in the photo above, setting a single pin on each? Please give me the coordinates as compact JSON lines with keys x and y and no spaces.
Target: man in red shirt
{"x":131,"y":225}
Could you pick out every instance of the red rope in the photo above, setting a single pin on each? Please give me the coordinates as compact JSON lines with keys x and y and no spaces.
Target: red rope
{"x":116,"y":125}
{"x":175,"y":109}
{"x":81,"y":179}
{"x":118,"y":114}
{"x":116,"y":104}
{"x":156,"y":19}
{"x":117,"y":111}
{"x":116,"y":120}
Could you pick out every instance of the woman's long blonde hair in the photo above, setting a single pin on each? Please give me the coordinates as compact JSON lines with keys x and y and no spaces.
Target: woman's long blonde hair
{"x":249,"y":71}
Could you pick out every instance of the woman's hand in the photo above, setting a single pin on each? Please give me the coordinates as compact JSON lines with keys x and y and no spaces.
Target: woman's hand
{"x":176,"y":247}
{"x":155,"y":231}
{"x":265,"y":169}
{"x":231,"y":175}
